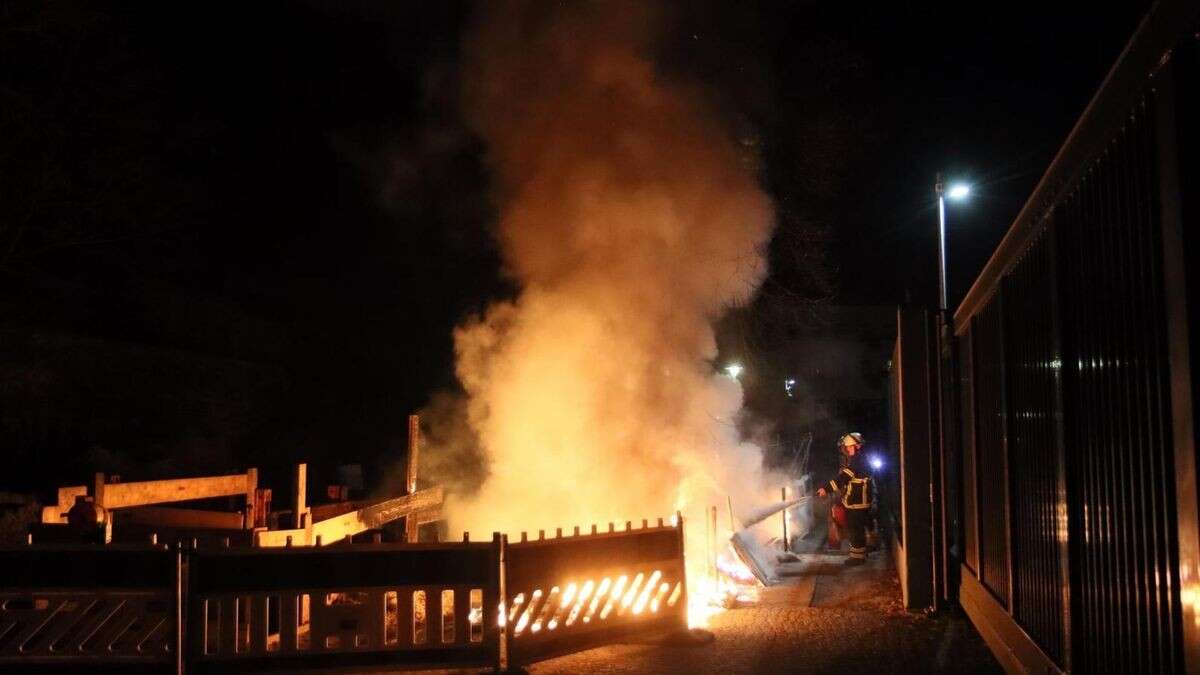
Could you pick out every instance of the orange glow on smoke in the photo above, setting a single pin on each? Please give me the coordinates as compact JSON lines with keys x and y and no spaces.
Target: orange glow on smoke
{"x":631,"y":220}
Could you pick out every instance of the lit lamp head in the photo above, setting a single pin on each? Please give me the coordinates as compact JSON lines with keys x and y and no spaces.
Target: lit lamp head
{"x":959,"y":191}
{"x":733,"y":370}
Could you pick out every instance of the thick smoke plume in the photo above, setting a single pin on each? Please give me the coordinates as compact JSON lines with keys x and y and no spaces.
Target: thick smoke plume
{"x":631,"y":220}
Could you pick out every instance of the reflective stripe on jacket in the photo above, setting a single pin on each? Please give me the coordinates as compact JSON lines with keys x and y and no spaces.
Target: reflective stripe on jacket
{"x":855,"y":487}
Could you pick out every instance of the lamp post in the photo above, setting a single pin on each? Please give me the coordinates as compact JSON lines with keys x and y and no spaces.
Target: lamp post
{"x":942,"y":462}
{"x":956,"y":192}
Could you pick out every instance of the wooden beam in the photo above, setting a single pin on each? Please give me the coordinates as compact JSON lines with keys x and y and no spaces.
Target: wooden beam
{"x":100,"y":493}
{"x":184,"y":519}
{"x":321,"y":512}
{"x":98,"y":488}
{"x":279,"y":538}
{"x":414,"y":521}
{"x":414,"y":451}
{"x":251,"y":488}
{"x":126,"y":495}
{"x":301,"y":492}
{"x":262,"y":507}
{"x":376,"y":515}
{"x":66,"y":499}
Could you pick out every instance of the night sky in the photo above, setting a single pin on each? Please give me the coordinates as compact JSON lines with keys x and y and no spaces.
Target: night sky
{"x":291,"y":185}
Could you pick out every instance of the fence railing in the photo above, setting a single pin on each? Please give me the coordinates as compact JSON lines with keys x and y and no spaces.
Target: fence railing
{"x":1078,"y":451}
{"x":64,"y":607}
{"x":369,"y":607}
{"x":353,"y":607}
{"x":569,"y":593}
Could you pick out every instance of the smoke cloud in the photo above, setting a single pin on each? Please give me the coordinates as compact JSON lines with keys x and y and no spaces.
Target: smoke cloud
{"x":631,"y":220}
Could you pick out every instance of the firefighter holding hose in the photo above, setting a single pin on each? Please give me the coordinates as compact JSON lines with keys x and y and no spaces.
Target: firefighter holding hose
{"x":856,"y":487}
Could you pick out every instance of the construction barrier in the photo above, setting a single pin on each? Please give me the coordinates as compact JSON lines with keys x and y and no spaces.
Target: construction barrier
{"x":67,"y":608}
{"x":571,"y":593}
{"x":385,"y":606}
{"x":345,"y":608}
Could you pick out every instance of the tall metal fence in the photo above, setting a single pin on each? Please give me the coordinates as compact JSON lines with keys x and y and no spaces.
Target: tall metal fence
{"x":1079,"y":511}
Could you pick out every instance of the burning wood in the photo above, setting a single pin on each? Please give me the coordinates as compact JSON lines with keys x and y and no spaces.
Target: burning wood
{"x":738,"y":566}
{"x":748,"y":551}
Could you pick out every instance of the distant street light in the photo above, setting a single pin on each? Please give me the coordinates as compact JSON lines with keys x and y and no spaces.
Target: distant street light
{"x":957,"y":192}
{"x":733,"y":370}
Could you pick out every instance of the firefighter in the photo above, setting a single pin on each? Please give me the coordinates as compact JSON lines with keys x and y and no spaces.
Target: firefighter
{"x":837,"y":516}
{"x":854,"y":484}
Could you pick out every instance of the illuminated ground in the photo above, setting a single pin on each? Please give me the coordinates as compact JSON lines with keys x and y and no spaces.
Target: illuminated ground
{"x":834,"y":621}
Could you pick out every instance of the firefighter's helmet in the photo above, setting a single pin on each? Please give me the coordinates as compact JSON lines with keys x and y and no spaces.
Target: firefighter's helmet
{"x":852,"y":439}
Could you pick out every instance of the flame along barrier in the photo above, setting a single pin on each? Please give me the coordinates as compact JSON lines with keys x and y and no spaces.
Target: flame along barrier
{"x":571,"y":593}
{"x":357,"y":607}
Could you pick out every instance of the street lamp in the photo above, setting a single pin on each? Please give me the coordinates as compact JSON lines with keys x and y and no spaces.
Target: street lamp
{"x":733,"y":370}
{"x":957,"y":192}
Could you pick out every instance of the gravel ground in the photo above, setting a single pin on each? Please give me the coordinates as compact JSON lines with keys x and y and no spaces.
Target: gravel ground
{"x":854,"y":624}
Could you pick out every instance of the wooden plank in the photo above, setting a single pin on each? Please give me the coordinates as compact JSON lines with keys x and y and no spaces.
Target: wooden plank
{"x":126,"y":495}
{"x":66,"y":499}
{"x":412,"y":529}
{"x":301,"y":491}
{"x":262,"y":507}
{"x":414,"y":451}
{"x":376,"y":515}
{"x":98,"y":487}
{"x":53,"y":515}
{"x":167,"y":516}
{"x":321,"y":512}
{"x":278,"y":538}
{"x":416,"y":520}
{"x":250,"y":489}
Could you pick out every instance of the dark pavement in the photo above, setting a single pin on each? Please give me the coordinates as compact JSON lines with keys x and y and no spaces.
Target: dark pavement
{"x":829,"y":619}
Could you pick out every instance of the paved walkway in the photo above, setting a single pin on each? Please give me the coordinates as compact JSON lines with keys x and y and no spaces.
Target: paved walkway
{"x":827,"y":619}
